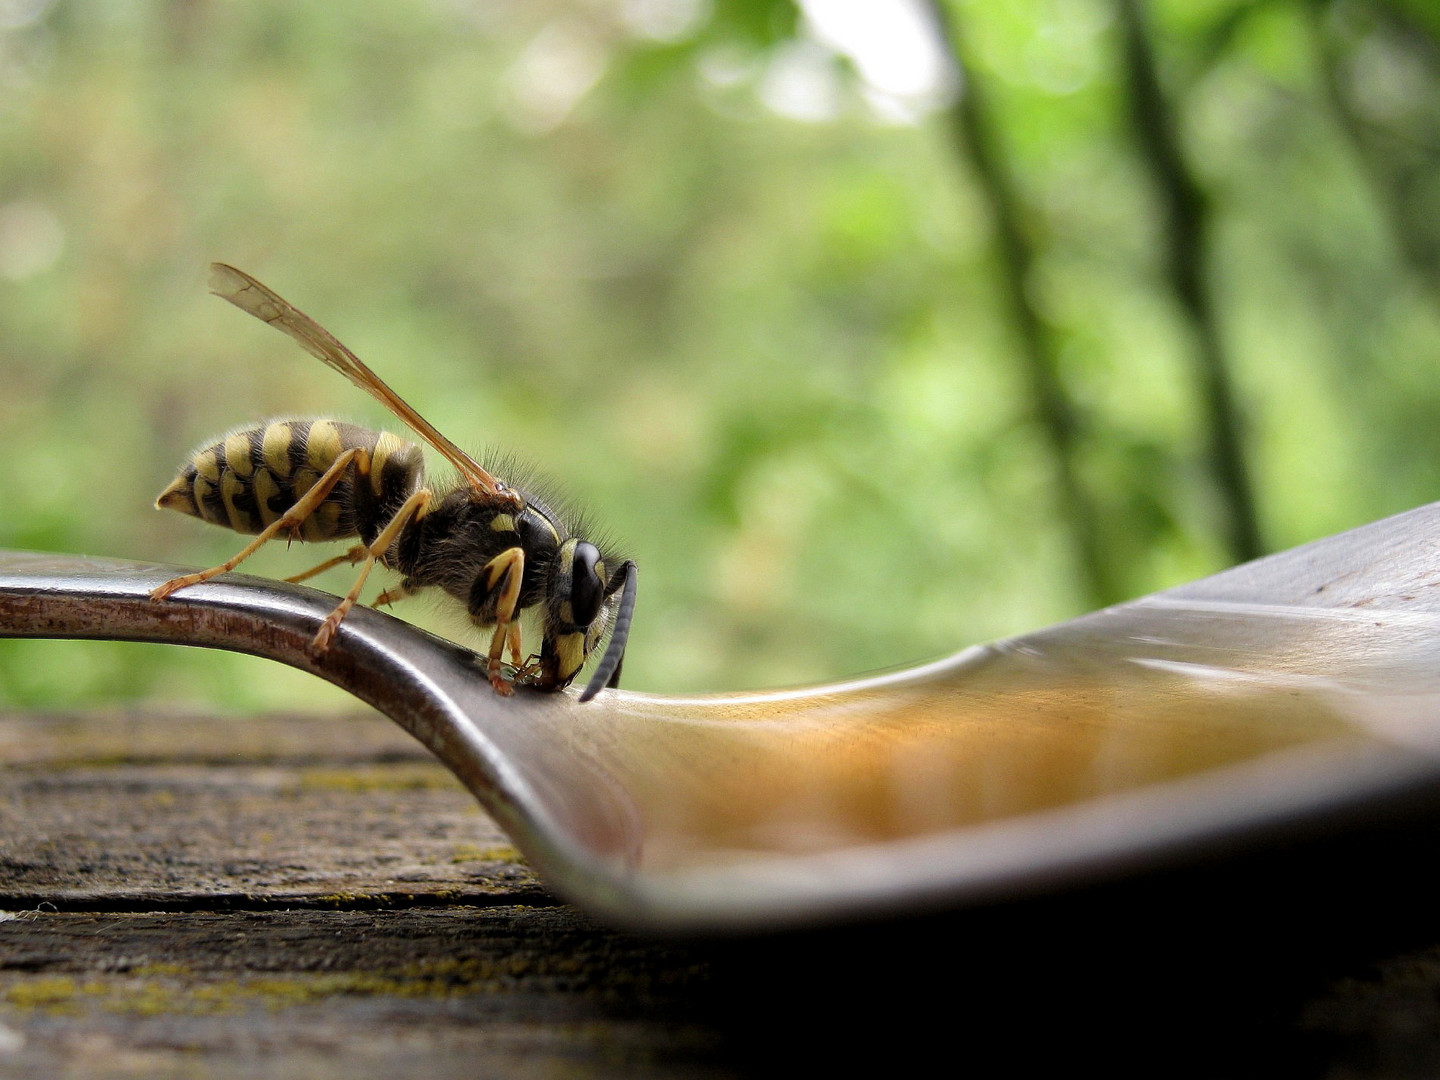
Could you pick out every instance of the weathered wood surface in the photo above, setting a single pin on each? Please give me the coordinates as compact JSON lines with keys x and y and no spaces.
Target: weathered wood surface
{"x":277,"y":813}
{"x":296,"y":897}
{"x":310,"y":897}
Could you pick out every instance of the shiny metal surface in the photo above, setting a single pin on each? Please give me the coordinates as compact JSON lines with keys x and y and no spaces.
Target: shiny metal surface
{"x":1289,"y":694}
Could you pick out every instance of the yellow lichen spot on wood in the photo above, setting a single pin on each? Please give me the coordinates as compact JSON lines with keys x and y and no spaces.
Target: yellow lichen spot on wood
{"x":407,"y":777}
{"x":49,"y":992}
{"x":161,"y":968}
{"x":464,"y":853}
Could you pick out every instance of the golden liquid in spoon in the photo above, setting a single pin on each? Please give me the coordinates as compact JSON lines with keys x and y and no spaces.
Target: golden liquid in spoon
{"x":1007,"y":736}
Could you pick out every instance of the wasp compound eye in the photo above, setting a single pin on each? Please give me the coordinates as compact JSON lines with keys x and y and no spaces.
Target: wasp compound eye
{"x":587,"y":588}
{"x":607,"y":672}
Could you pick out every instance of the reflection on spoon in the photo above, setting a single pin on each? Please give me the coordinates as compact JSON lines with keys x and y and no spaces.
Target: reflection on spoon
{"x":1281,"y":695}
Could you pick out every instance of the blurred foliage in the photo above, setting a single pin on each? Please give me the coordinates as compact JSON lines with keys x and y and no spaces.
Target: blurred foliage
{"x":703,"y":266}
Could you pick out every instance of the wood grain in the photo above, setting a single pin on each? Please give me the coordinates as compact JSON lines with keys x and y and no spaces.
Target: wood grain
{"x":297,"y":896}
{"x":310,"y":897}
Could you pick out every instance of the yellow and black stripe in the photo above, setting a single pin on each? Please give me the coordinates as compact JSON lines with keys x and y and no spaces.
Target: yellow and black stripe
{"x":251,"y":476}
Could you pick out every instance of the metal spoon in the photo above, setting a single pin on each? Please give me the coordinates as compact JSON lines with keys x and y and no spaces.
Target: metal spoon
{"x":1280,"y":695}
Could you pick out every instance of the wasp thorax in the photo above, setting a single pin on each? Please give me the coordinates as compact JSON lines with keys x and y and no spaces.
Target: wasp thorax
{"x":537,"y":534}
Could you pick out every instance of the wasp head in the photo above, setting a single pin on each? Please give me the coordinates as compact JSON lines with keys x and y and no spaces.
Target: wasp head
{"x":579,"y":610}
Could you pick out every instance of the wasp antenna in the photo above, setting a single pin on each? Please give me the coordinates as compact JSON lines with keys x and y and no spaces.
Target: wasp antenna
{"x":615,"y":651}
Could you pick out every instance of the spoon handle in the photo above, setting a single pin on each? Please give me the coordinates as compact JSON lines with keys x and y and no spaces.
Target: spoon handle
{"x":73,"y":596}
{"x":381,"y":660}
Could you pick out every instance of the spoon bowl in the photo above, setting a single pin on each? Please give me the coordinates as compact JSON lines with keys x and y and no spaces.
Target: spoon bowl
{"x":1292,"y":693}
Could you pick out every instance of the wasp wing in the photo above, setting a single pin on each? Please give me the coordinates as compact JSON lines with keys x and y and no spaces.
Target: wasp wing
{"x":250,"y":295}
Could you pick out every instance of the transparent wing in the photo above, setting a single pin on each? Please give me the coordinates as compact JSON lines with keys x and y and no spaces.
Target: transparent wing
{"x":248,"y":294}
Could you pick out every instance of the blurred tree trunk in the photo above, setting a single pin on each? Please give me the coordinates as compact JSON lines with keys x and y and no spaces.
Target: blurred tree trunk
{"x":1188,"y":267}
{"x":1411,"y":226}
{"x":976,"y":138}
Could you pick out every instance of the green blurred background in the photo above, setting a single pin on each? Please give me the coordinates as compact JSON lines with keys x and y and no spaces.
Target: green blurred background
{"x":868,"y":336}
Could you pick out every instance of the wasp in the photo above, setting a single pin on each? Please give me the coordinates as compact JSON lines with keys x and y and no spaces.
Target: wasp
{"x":496,"y":548}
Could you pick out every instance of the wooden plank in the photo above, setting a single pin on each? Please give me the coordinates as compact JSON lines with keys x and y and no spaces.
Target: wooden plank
{"x":444,"y":992}
{"x":148,"y":736}
{"x":275,"y":812}
{"x":296,"y":896}
{"x":313,"y":897}
{"x":447,"y":992}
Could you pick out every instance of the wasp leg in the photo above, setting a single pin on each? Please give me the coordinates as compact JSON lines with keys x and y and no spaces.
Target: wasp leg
{"x":399,"y":592}
{"x":515,"y":654}
{"x":290,"y":521}
{"x":353,"y":556}
{"x":413,"y":507}
{"x":505,"y":571}
{"x":528,"y":670}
